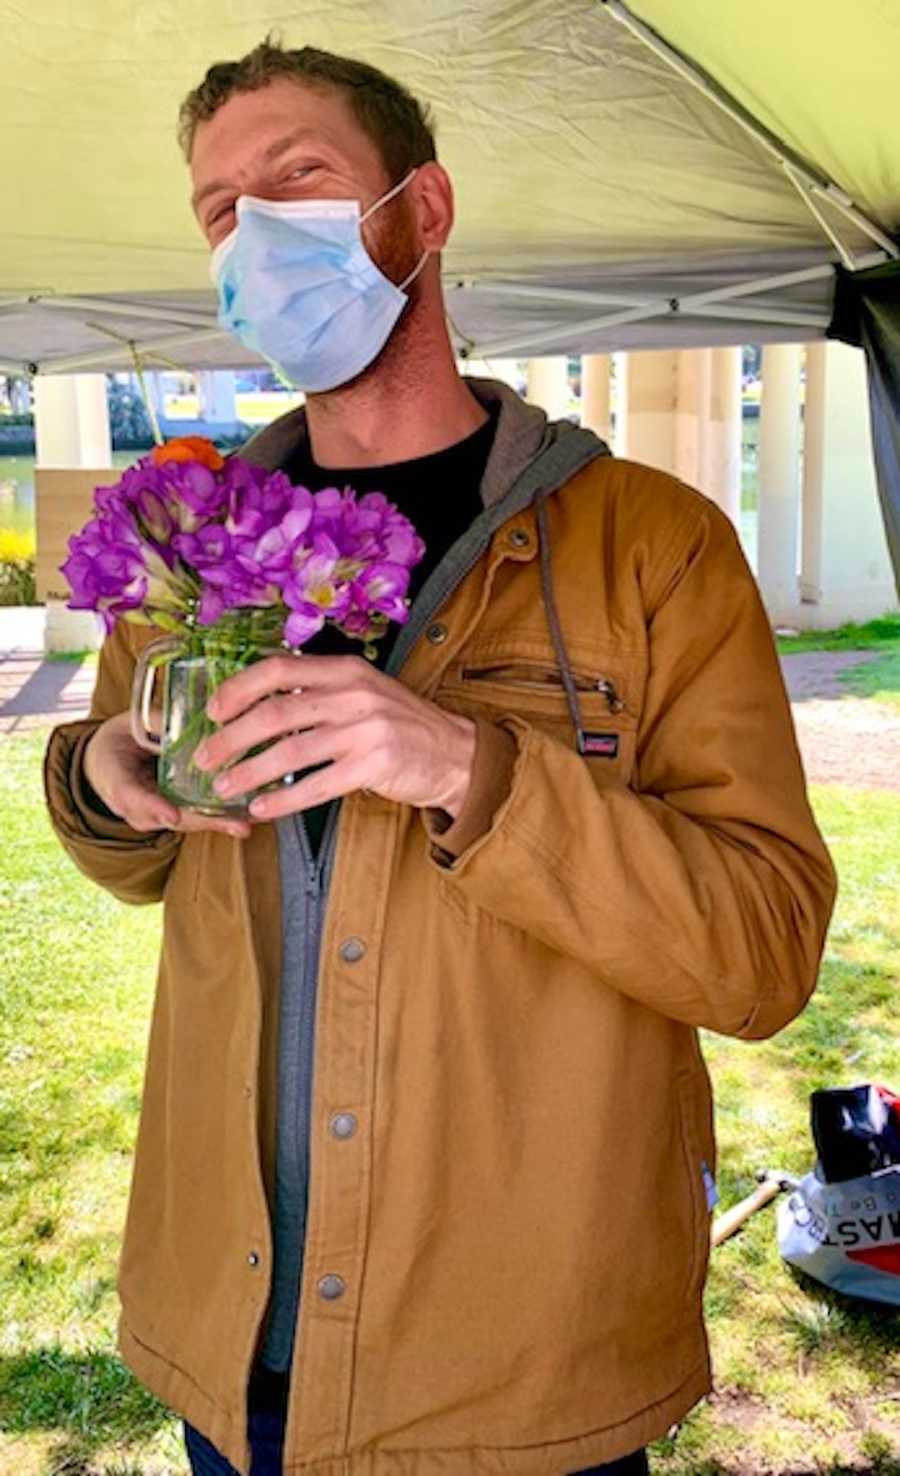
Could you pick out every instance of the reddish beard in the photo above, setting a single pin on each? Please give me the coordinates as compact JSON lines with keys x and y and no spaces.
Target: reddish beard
{"x":392,"y":242}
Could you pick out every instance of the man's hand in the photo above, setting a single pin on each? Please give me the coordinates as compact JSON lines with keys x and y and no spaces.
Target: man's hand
{"x":370,"y":731}
{"x":124,"y":776}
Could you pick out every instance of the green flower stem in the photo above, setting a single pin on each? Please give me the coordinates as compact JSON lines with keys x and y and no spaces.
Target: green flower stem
{"x":210,"y":655}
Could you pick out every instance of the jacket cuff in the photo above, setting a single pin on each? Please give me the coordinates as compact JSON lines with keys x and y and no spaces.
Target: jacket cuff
{"x":74,"y":805}
{"x":492,"y":771}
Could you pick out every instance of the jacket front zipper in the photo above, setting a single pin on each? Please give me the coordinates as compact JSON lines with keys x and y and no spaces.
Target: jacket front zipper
{"x":296,"y":1054}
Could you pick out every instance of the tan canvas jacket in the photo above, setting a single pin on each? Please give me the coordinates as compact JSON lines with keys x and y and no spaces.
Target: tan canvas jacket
{"x":520,"y":1220}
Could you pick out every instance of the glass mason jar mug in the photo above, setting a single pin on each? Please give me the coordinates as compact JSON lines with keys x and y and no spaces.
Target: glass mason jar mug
{"x":191,"y":669}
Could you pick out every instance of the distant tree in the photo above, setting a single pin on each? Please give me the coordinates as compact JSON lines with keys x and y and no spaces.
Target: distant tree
{"x":15,"y":396}
{"x":129,"y":423}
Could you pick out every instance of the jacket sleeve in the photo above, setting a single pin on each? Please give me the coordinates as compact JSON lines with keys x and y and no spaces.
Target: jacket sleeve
{"x":131,"y":864}
{"x":704,"y":890}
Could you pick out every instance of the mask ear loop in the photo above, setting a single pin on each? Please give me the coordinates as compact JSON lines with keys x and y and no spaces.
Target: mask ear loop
{"x":402,"y":286}
{"x":383,"y":199}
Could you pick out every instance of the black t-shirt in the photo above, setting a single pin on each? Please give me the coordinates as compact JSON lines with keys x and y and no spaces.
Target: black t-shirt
{"x":440,"y":494}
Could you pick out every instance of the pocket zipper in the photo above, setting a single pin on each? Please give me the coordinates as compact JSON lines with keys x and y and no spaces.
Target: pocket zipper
{"x":537,"y":679}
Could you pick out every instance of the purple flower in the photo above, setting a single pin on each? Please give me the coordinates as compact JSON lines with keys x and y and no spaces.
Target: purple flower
{"x":382,"y":589}
{"x":177,"y":535}
{"x":110,"y":571}
{"x":224,"y":590}
{"x":196,"y":487}
{"x":257,"y":500}
{"x":210,"y":546}
{"x":374,"y":529}
{"x":274,"y":550}
{"x":315,"y":592}
{"x":154,"y":516}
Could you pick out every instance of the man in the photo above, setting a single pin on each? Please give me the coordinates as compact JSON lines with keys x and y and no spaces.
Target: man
{"x":426,"y":1158}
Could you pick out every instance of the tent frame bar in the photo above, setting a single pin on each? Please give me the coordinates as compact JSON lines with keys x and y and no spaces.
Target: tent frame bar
{"x":684,"y":306}
{"x":816,"y":321}
{"x":96,"y":361}
{"x":187,"y":318}
{"x":9,"y":304}
{"x":573,"y":295}
{"x":699,"y":304}
{"x":816,"y":183}
{"x":806,"y":196}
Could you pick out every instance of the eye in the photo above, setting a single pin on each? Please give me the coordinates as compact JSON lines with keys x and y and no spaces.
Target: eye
{"x":222,"y":211}
{"x":301,"y":169}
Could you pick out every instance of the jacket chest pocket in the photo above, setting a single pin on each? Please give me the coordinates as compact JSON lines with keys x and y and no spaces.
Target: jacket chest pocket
{"x":535,"y":690}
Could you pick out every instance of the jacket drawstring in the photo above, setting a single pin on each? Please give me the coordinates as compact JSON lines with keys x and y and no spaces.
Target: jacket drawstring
{"x":556,"y":635}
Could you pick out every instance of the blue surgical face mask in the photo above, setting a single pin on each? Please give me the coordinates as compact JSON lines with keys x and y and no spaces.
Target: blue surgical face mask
{"x":297,"y":285}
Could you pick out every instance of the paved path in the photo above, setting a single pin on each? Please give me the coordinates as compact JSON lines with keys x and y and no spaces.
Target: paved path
{"x":843,"y":739}
{"x":34,"y":693}
{"x":811,"y":675}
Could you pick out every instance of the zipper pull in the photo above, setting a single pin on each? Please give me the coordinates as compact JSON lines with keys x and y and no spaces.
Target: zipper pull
{"x":607,"y":689}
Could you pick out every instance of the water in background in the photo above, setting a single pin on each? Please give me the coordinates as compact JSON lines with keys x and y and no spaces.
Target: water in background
{"x":17,"y":489}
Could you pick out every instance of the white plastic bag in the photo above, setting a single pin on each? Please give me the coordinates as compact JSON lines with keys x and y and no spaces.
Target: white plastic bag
{"x":846,"y":1235}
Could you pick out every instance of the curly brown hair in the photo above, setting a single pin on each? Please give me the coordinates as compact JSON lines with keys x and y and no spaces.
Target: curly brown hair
{"x":397,"y":122}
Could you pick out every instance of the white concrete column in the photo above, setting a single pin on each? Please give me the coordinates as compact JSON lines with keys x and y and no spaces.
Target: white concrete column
{"x":216,"y":395}
{"x":71,"y":426}
{"x":692,"y":416}
{"x":649,"y":430}
{"x":71,"y":420}
{"x":548,"y":385}
{"x":779,"y":481}
{"x":722,"y":474}
{"x":595,"y":394}
{"x":846,"y":568}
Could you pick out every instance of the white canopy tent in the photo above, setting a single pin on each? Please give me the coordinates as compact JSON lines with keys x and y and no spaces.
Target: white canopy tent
{"x":617,"y":186}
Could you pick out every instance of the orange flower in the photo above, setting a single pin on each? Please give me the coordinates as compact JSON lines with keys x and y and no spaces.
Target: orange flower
{"x":188,"y":448}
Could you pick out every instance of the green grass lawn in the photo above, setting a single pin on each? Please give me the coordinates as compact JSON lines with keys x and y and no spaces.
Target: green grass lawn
{"x":879,"y":679}
{"x":880,"y":634}
{"x":807,"y":1382}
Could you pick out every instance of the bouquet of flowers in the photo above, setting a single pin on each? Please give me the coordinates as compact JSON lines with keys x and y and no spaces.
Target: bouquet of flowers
{"x":188,"y":535}
{"x":231,"y":562}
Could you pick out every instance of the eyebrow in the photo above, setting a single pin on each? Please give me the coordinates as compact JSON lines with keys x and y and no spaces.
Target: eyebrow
{"x":274,"y":151}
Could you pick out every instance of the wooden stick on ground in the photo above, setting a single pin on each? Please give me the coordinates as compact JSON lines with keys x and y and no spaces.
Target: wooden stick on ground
{"x":772,"y":1183}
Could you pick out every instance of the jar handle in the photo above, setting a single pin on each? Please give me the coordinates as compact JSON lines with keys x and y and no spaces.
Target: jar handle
{"x":152,"y":656}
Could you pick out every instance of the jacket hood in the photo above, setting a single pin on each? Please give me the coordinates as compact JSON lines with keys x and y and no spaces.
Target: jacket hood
{"x":551,"y":450}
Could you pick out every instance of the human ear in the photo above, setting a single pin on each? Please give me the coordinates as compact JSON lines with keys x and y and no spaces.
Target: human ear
{"x":432,"y":199}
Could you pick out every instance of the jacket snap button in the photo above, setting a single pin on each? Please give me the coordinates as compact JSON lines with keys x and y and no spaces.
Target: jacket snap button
{"x":331,"y":1287}
{"x":352,"y":950}
{"x":519,"y":538}
{"x":436,"y":634}
{"x":253,"y":1259}
{"x":343,"y":1125}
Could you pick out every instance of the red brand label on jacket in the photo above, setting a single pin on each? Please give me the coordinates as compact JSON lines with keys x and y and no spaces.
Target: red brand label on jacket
{"x":601,"y":745}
